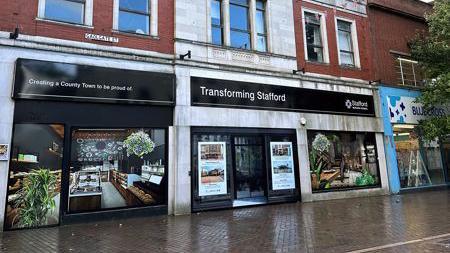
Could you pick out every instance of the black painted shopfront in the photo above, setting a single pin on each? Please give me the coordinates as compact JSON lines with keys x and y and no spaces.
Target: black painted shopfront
{"x":88,"y":143}
{"x":234,"y":167}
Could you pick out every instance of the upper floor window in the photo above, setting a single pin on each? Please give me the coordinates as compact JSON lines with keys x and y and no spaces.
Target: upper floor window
{"x":239,"y":24}
{"x":77,"y":12}
{"x":216,"y":22}
{"x":70,"y":11}
{"x":313,"y":34}
{"x":261,"y":33}
{"x":134,"y":16}
{"x":346,"y":34}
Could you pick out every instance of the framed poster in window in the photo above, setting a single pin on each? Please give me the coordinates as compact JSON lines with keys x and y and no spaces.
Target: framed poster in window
{"x":212,"y":167}
{"x":282,"y":164}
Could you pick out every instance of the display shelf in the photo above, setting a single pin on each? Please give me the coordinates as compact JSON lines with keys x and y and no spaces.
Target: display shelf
{"x":86,"y":181}
{"x":25,"y":162}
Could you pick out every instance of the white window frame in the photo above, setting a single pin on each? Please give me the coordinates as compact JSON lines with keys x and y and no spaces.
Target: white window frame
{"x":354,"y":40}
{"x":252,"y":21}
{"x":88,"y":12}
{"x":153,"y":26}
{"x":323,"y":33}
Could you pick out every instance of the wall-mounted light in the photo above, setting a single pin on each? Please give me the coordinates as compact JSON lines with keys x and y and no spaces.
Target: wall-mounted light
{"x":374,"y":81}
{"x":188,"y":55}
{"x":295,"y":72}
{"x":303,"y":121}
{"x":14,"y":35}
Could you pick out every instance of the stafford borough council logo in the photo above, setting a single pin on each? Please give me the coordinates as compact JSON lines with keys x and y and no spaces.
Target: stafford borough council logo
{"x":348,"y":104}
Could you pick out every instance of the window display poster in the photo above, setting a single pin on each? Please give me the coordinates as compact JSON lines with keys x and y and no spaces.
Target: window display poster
{"x":212,"y":167}
{"x":3,"y":152}
{"x":282,"y":165}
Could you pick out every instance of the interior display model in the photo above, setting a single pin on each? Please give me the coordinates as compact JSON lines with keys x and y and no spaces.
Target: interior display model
{"x":340,"y":160}
{"x":34,"y":182}
{"x":419,"y":163}
{"x":117,"y":168}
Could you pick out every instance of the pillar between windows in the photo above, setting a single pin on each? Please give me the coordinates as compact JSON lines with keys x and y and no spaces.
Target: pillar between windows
{"x":154,"y":18}
{"x":226,"y":22}
{"x":252,"y":17}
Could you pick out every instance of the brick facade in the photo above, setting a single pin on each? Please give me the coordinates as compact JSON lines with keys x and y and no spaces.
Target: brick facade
{"x":23,"y":13}
{"x":333,"y":68}
{"x":393,"y":24}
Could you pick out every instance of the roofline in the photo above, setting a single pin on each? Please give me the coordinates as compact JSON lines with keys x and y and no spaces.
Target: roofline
{"x":396,"y":11}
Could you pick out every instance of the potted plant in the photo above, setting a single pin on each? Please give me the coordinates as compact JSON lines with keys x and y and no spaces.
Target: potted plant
{"x":35,"y":199}
{"x":318,"y":159}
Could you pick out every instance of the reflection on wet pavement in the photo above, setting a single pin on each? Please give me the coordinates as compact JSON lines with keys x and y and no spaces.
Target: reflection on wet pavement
{"x":328,"y":226}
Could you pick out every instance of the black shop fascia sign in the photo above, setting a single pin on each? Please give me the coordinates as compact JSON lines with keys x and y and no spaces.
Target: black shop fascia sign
{"x":44,"y":80}
{"x":234,"y":94}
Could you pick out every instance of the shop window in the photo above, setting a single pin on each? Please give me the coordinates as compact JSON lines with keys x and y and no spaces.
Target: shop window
{"x":116,"y":168}
{"x":240,"y":31}
{"x":70,"y":11}
{"x":134,"y":16}
{"x":211,"y":166}
{"x":216,"y":22}
{"x":342,"y":160}
{"x":34,"y":180}
{"x":232,"y":167}
{"x":419,"y":162}
{"x":261,"y":33}
{"x":314,"y":25}
{"x":347,"y":43}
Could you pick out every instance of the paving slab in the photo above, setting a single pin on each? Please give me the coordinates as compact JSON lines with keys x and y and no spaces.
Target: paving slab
{"x":413,"y":222}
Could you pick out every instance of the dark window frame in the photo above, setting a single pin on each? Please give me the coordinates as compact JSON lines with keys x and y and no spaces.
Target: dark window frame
{"x":308,"y":45}
{"x":263,"y":11}
{"x":249,"y":29}
{"x":221,"y":26}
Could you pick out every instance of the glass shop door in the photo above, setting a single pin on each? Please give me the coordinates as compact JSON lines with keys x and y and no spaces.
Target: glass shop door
{"x":250,"y":177}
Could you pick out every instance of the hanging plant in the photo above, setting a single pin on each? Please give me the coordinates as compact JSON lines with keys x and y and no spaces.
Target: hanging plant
{"x":139,"y":144}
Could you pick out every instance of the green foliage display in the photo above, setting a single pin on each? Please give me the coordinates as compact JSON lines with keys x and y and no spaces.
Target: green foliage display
{"x":365,"y":179}
{"x":433,"y":54}
{"x":139,"y":144}
{"x":36,"y":198}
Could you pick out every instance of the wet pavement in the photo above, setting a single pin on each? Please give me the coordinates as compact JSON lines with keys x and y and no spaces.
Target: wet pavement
{"x":414,"y":222}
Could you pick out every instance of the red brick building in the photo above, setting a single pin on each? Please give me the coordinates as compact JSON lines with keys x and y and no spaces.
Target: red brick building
{"x":393,"y":24}
{"x":336,"y":40}
{"x":36,"y":18}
